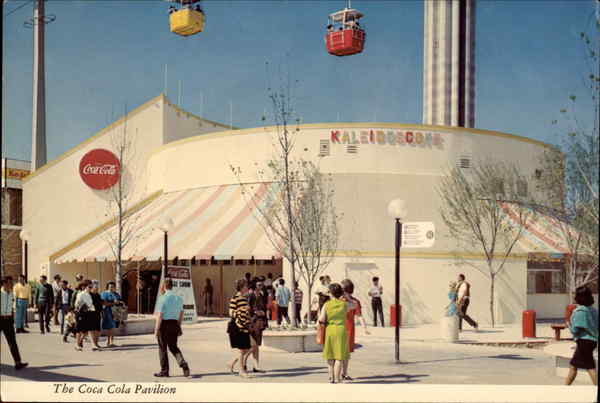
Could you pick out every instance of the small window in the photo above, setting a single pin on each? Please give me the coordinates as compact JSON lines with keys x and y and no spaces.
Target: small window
{"x":498,"y":187}
{"x":522,"y":188}
{"x":324,"y":148}
{"x":464,"y":162}
{"x":352,"y":149}
{"x":538,"y":174}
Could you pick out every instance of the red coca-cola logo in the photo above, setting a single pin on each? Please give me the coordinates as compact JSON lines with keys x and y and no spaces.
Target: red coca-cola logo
{"x":99,"y":169}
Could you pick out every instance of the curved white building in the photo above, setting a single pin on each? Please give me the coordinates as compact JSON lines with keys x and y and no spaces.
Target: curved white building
{"x":182,"y":169}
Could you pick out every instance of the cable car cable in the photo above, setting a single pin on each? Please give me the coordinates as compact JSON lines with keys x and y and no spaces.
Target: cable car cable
{"x":17,"y":8}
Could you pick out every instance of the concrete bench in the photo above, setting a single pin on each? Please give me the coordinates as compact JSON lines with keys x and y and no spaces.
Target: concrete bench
{"x":291,"y":341}
{"x":557,"y":327}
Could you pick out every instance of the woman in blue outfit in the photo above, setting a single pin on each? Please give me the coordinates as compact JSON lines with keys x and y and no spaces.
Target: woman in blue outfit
{"x":452,"y":294}
{"x":109,"y":298}
{"x":584,"y":326}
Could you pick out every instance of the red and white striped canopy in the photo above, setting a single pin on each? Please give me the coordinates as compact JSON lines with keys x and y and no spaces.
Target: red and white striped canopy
{"x":214,"y":221}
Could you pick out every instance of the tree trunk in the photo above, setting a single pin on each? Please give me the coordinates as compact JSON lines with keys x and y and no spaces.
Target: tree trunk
{"x":492,"y":278}
{"x":309,"y":302}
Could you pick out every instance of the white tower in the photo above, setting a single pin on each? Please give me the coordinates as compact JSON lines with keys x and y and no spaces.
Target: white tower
{"x":38,"y":129}
{"x":449,"y":63}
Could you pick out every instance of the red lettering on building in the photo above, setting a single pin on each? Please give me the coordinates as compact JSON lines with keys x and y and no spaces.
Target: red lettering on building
{"x":334,"y":136}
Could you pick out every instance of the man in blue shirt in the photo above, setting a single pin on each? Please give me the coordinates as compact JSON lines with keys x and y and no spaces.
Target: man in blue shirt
{"x":169,"y":314}
{"x":282,"y":295}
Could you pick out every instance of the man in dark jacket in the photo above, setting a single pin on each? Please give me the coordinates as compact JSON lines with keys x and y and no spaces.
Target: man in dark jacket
{"x":64,"y":298}
{"x":44,"y":299}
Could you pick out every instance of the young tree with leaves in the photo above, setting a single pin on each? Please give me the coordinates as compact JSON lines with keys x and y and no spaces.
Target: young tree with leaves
{"x":475,"y":218}
{"x":569,"y":174}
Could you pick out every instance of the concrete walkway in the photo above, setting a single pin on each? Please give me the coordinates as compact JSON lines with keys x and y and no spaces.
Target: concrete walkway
{"x":424,"y":359}
{"x":504,"y":333}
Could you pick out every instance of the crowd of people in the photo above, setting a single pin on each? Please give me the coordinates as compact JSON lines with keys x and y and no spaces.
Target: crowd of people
{"x":85,"y":311}
{"x":79,"y":312}
{"x":335,"y":308}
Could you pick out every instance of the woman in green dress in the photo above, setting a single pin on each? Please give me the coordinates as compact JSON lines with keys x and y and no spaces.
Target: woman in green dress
{"x":335,"y":348}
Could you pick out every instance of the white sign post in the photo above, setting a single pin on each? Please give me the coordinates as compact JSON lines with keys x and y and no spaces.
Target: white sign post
{"x":418,"y":234}
{"x":182,"y":286}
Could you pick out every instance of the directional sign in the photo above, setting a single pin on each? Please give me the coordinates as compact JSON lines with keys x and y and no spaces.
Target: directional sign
{"x":418,"y":234}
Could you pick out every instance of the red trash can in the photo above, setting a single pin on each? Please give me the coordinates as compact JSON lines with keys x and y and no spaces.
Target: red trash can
{"x":274,"y":310}
{"x":393,"y":315}
{"x":529,"y":323}
{"x":569,"y":312}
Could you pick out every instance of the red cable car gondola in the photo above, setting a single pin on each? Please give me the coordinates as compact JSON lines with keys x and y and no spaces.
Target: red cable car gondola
{"x":345,"y":36}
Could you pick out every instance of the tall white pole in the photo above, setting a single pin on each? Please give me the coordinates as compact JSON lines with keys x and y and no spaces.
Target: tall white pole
{"x":201,"y":104}
{"x":38,"y":127}
{"x":166,"y":73}
{"x":179,"y":94}
{"x":231,"y":115}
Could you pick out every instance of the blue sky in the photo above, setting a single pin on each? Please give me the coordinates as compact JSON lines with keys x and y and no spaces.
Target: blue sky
{"x":103,"y":55}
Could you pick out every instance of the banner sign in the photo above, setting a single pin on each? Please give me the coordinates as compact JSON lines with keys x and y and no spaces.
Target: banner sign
{"x":14,"y":173}
{"x":182,"y":286}
{"x":99,"y":169}
{"x":418,"y":234}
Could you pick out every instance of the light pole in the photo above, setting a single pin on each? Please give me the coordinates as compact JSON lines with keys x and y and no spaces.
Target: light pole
{"x":397,"y":210}
{"x":24,"y":235}
{"x":165,"y":226}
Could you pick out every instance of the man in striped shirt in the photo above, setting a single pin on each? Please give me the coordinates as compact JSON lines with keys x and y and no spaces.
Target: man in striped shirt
{"x":298,"y":296}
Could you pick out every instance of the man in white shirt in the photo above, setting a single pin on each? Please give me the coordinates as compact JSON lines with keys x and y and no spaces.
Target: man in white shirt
{"x":375,"y":293}
{"x":56,"y":287}
{"x":7,"y":324}
{"x":462,"y":302}
{"x":323,"y":291}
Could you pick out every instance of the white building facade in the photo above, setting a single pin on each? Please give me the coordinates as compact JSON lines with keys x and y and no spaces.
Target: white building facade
{"x":182,"y":170}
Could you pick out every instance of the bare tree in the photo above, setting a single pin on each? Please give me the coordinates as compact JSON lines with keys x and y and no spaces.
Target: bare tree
{"x":118,"y":206}
{"x":472,"y":208}
{"x":316,"y":232}
{"x":570,"y":173}
{"x":297,"y":215}
{"x":570,"y":205}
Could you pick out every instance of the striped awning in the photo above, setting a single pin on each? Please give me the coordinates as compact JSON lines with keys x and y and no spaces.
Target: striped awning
{"x":208,"y":222}
{"x":543,"y":233}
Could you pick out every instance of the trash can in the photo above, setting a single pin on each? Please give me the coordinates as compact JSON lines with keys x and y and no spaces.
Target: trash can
{"x":569,"y":312}
{"x":529,"y":323}
{"x":393,"y":315}
{"x":274,"y":310}
{"x":449,"y":328}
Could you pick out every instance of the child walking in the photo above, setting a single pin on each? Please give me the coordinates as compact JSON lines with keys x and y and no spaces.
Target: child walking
{"x":71,"y":324}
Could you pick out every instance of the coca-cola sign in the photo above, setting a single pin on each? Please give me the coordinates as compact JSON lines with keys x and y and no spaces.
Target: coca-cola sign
{"x":99,"y":169}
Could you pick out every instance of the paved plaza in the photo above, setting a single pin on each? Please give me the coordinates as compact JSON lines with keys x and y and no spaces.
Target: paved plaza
{"x":424,"y":359}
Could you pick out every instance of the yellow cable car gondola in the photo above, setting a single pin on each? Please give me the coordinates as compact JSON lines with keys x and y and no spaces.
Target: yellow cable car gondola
{"x":186,"y":21}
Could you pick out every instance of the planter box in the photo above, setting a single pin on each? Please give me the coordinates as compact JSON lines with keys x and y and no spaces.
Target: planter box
{"x":132,"y":326}
{"x":296,"y":341}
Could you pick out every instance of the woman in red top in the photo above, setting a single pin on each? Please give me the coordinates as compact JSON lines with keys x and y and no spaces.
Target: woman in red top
{"x":354,"y":311}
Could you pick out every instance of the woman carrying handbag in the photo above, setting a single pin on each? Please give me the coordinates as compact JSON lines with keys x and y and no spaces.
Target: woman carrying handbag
{"x":239,"y":327}
{"x":335,"y":347}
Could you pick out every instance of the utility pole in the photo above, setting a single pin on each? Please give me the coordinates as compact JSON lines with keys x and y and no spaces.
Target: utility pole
{"x":38,"y":127}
